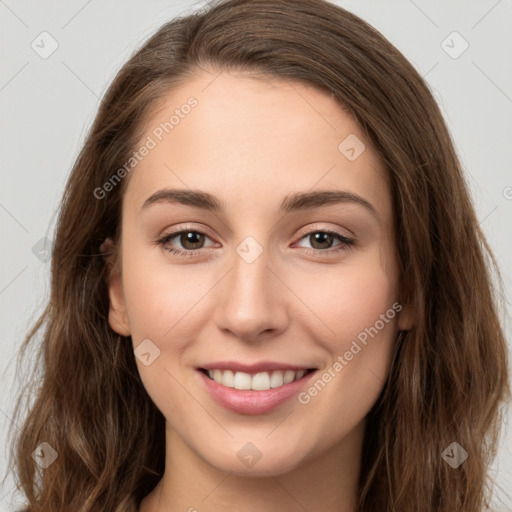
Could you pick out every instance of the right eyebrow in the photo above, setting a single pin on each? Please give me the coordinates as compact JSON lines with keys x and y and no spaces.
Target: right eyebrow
{"x":197,"y":198}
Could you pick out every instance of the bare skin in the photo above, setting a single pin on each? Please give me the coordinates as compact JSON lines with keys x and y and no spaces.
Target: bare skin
{"x":250,"y":143}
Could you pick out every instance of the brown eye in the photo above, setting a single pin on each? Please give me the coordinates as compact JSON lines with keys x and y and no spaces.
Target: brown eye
{"x":321,"y":240}
{"x":185,"y":242}
{"x":191,"y":239}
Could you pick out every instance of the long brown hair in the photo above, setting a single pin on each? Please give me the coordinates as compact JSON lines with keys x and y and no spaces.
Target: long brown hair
{"x":449,"y":373}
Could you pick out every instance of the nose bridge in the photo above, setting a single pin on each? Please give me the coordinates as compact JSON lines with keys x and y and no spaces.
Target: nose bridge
{"x":251,"y":303}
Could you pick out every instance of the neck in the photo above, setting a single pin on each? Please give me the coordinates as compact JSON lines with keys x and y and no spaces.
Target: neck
{"x":327,"y":483}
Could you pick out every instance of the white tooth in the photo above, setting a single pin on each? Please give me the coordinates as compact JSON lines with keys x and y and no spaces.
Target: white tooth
{"x":289,"y":375}
{"x":228,"y":378}
{"x":276,"y":379}
{"x":261,"y":381}
{"x":242,"y":380}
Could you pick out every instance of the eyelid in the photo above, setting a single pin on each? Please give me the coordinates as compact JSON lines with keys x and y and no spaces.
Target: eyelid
{"x":304,"y":231}
{"x":186,"y":227}
{"x":313,"y":228}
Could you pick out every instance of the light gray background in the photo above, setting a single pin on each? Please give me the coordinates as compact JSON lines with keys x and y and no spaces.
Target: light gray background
{"x":47,"y":105}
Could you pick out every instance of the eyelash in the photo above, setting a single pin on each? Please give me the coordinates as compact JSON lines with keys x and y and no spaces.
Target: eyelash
{"x":346,"y":244}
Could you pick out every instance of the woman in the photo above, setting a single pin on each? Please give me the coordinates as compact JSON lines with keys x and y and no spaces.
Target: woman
{"x":197,"y":355}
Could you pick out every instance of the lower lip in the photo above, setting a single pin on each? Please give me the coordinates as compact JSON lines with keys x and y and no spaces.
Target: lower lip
{"x":250,"y":401}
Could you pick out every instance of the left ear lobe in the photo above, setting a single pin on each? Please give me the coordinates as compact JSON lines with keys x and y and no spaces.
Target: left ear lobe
{"x":117,"y":315}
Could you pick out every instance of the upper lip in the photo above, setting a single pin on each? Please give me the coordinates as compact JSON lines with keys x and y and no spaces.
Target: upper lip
{"x":261,"y":366}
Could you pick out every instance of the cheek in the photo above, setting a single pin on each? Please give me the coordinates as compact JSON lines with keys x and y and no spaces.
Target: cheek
{"x":160,"y":303}
{"x":349,"y":298}
{"x":359,"y":306}
{"x":160,"y":297}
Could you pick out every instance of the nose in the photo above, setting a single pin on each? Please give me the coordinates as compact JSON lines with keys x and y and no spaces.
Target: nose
{"x":252,"y":300}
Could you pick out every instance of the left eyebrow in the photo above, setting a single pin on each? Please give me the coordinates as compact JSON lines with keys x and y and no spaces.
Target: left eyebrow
{"x":292,"y":202}
{"x":309,"y":200}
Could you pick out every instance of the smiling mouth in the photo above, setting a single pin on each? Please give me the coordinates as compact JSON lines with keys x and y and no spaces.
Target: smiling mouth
{"x":261,"y":381}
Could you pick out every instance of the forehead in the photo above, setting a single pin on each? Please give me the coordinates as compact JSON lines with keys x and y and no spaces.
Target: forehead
{"x":254,"y":141}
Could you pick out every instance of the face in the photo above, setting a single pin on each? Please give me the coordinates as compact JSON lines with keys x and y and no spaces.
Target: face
{"x":263,"y":327}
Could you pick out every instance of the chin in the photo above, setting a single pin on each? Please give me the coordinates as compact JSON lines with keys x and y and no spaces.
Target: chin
{"x":259,"y":457}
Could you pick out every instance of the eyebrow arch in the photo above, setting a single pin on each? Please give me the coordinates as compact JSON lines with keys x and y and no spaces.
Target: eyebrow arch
{"x":292,"y":202}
